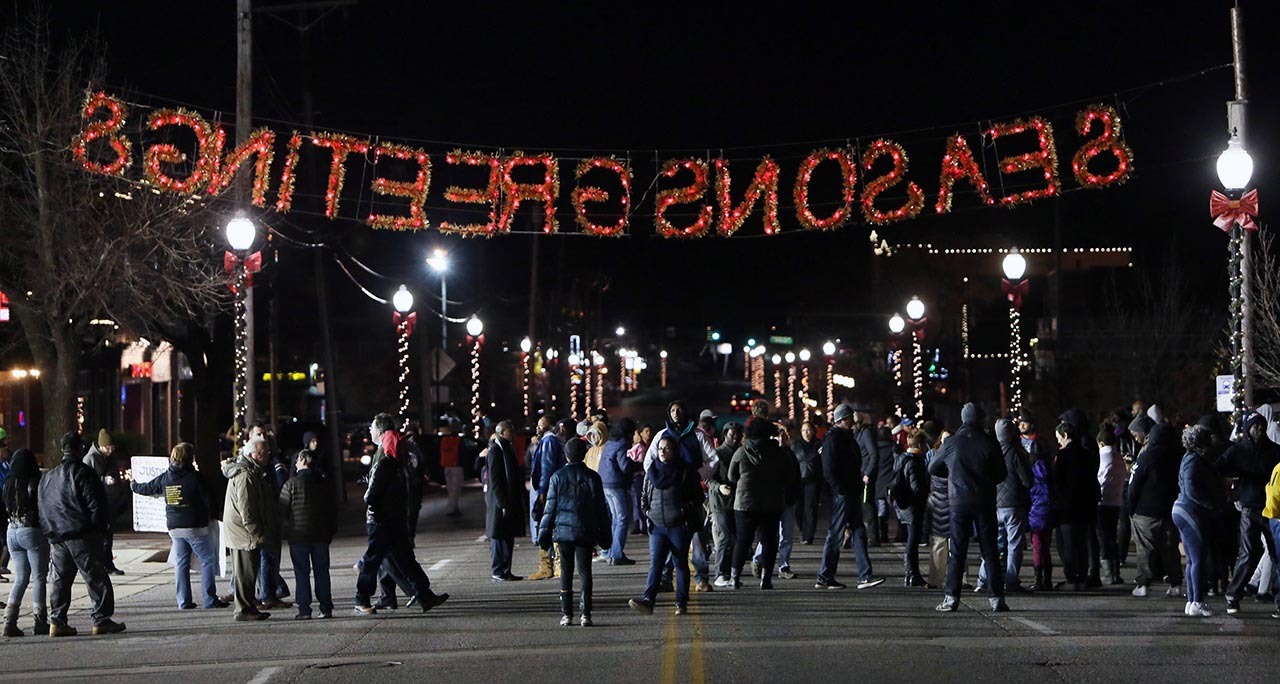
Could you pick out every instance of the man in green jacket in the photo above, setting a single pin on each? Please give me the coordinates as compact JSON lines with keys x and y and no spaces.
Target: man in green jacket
{"x":251,"y":522}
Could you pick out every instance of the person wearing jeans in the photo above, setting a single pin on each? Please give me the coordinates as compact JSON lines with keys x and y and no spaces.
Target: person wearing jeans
{"x":617,"y":471}
{"x":720,"y":504}
{"x":807,"y":450}
{"x":1252,"y":460}
{"x":1013,"y":501}
{"x":1200,"y":500}
{"x":672,"y":499}
{"x":842,"y":467}
{"x":26,"y":543}
{"x":309,"y":510}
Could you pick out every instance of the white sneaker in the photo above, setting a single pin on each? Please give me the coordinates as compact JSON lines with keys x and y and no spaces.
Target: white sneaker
{"x":1200,"y":610}
{"x":1176,"y":591}
{"x":1140,"y":591}
{"x":722,"y":581}
{"x":1186,"y":610}
{"x":565,"y":621}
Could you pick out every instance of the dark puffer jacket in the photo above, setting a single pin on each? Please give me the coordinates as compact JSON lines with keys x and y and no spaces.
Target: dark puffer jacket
{"x":842,"y":465}
{"x":939,"y":504}
{"x":1153,"y":486}
{"x":885,"y":458}
{"x":1075,"y":486}
{"x":1015,"y":490}
{"x":308,"y":508}
{"x":186,"y":501}
{"x":674,"y":505}
{"x":1040,"y":516}
{"x":912,"y":464}
{"x":1251,"y":462}
{"x":576,"y":511}
{"x":810,"y":458}
{"x":973,"y":465}
{"x":73,"y":502}
{"x":716,"y":501}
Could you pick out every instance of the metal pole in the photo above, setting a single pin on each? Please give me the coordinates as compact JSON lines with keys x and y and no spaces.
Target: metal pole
{"x":1235,"y":120}
{"x":244,"y":125}
{"x":444,"y":341}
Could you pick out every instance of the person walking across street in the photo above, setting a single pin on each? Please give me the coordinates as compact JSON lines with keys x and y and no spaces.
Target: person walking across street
{"x":1076,"y":499}
{"x":974,"y":467}
{"x":309,"y":509}
{"x":908,"y":491}
{"x":697,"y":450}
{"x":73,"y":515}
{"x":1112,"y":474}
{"x":843,"y":469}
{"x":504,"y":507}
{"x":763,"y":474}
{"x":576,"y":519}
{"x":550,"y":458}
{"x":27,"y":544}
{"x":672,"y":499}
{"x":186,"y":514}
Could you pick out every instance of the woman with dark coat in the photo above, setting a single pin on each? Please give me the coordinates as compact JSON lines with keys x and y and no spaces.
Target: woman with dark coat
{"x":27,"y":543}
{"x":576,"y":519}
{"x":762,"y":473}
{"x":672,"y":502}
{"x":1200,"y":501}
{"x":1040,"y":518}
{"x":504,"y":501}
{"x":911,"y":511}
{"x":807,"y":453}
{"x":939,"y":507}
{"x":1075,"y":499}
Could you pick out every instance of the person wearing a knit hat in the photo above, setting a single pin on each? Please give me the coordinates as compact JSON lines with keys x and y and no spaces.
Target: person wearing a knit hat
{"x":101,"y":458}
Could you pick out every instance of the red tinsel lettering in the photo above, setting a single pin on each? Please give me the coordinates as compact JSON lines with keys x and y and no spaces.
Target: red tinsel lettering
{"x":686,"y":195}
{"x":165,"y":153}
{"x":284,"y":196}
{"x":958,"y":164}
{"x":1110,"y":142}
{"x":107,"y":129}
{"x":1044,"y":158}
{"x":872,"y":189}
{"x":341,"y":145}
{"x":258,"y":144}
{"x":763,"y":185}
{"x":848,"y":179}
{"x":415,"y":191}
{"x":588,"y":193}
{"x":490,"y":194}
{"x":514,"y":193}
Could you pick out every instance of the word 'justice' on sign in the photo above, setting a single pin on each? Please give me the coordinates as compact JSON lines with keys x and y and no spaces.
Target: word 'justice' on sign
{"x":694,"y":197}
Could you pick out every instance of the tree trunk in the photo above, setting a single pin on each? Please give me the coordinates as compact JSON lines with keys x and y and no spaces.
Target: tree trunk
{"x":58,"y":382}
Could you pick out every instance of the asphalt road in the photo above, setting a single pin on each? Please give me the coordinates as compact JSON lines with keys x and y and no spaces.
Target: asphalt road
{"x":510,"y":632}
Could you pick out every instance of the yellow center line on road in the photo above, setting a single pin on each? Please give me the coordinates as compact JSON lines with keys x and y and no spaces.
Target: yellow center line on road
{"x":669,"y":651}
{"x":697,"y":672}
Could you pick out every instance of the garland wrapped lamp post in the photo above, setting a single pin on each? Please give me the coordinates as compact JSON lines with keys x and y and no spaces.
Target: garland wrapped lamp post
{"x":240,"y":264}
{"x":1015,"y":288}
{"x":404,"y":319}
{"x":475,"y":334}
{"x":896,"y":325}
{"x":915,"y":312}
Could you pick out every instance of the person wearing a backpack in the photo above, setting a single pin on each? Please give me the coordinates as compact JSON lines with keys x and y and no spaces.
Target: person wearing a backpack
{"x":909,"y":490}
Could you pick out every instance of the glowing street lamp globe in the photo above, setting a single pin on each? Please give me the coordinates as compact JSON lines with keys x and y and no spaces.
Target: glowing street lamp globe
{"x":1014,"y":264}
{"x":776,"y":359}
{"x":439,"y":260}
{"x":829,"y":348}
{"x":402,"y":300}
{"x":897,"y":324}
{"x":805,"y":355}
{"x":241,"y":233}
{"x":915,"y":309}
{"x":526,"y":345}
{"x":791,"y":357}
{"x":1235,"y":166}
{"x":474,"y":326}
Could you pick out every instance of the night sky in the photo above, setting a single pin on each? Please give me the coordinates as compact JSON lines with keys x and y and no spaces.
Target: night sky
{"x":680,"y":77}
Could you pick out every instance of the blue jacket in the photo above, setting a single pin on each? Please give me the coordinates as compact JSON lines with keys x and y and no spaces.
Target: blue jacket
{"x":617,"y":470}
{"x":1200,"y":485}
{"x":550,"y":459}
{"x":576,"y":511}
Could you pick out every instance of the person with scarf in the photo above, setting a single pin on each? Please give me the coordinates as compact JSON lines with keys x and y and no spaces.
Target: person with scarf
{"x":672,"y":499}
{"x":387,"y":524}
{"x":695,"y":450}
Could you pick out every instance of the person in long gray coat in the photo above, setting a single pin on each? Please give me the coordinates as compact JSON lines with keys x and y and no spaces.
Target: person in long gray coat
{"x":504,"y":514}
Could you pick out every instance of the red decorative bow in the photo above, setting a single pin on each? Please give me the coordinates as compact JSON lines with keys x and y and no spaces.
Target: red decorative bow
{"x":408,"y":320}
{"x":252,"y":264}
{"x":1226,"y":211}
{"x":1015,"y":291}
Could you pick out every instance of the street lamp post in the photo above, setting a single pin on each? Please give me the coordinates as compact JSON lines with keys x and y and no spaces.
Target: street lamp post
{"x":404,"y":318}
{"x":241,"y":264}
{"x":475,"y":330}
{"x":526,"y":346}
{"x":896,"y":325}
{"x":439,"y":262}
{"x":805,"y":355}
{"x":777,"y":382}
{"x":1015,"y":288}
{"x":829,"y":350}
{"x":662,"y":357}
{"x":791,"y":386}
{"x":915,"y":312}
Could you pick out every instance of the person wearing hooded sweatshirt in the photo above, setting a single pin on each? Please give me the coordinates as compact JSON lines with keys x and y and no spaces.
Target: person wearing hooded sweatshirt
{"x":504,"y":503}
{"x":1153,"y":487}
{"x":576,"y":519}
{"x":101,"y":457}
{"x":762,"y":473}
{"x":1112,"y":474}
{"x":250,"y":518}
{"x":720,"y":496}
{"x":974,"y":466}
{"x":27,"y":543}
{"x":186,"y":513}
{"x":1250,"y":460}
{"x":616,"y":472}
{"x":1201,"y":497}
{"x":911,"y":465}
{"x":696,"y":450}
{"x":1013,"y":502}
{"x":73,"y":516}
{"x":672,"y":501}
{"x":387,"y":524}
{"x":807,"y":450}
{"x":844,"y":471}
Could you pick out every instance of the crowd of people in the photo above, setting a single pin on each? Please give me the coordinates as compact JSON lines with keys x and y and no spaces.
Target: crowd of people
{"x":714,"y":502}
{"x":711,"y":498}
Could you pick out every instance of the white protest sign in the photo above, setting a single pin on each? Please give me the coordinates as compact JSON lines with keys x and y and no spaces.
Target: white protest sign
{"x":1223,"y":393}
{"x":148,"y":511}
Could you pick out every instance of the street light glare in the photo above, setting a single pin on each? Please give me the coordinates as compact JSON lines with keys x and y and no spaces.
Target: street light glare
{"x":241,"y":233}
{"x":663,"y":353}
{"x":402,"y":300}
{"x":776,"y":359}
{"x":791,"y":357}
{"x":620,"y":331}
{"x":1015,"y":265}
{"x":829,"y":348}
{"x":526,"y":345}
{"x":474,"y":326}
{"x":751,"y":342}
{"x":439,"y":260}
{"x":896,"y":324}
{"x":805,"y":355}
{"x":1235,"y":166}
{"x":915,"y":309}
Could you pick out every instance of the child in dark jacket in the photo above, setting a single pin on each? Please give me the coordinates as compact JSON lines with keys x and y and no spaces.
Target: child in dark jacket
{"x":576,"y":519}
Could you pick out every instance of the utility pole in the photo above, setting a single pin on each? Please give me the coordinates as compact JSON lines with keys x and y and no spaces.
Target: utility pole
{"x":244,"y":125}
{"x":1236,"y":124}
